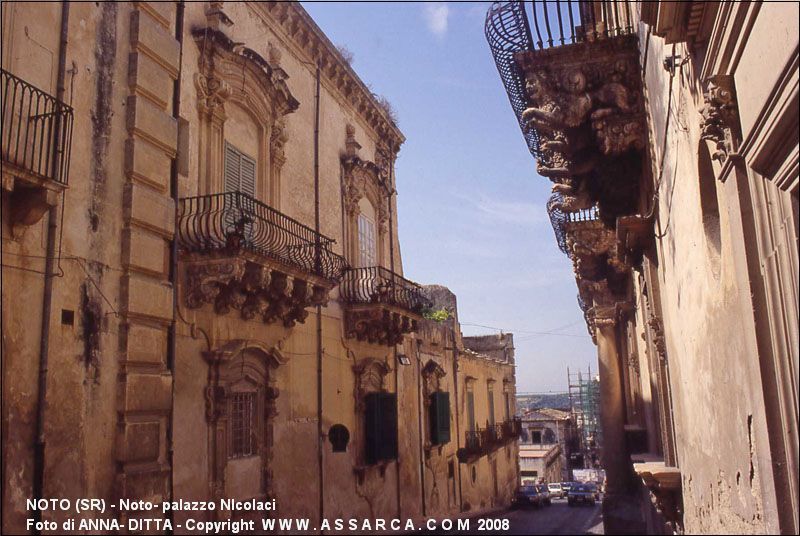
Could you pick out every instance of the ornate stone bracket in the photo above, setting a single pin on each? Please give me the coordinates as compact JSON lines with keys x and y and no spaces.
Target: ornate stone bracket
{"x":664,"y":484}
{"x":586,"y":105}
{"x":255,"y":290}
{"x":378,"y":324}
{"x":720,"y":124}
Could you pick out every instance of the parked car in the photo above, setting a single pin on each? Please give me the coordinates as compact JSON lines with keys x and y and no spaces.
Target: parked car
{"x":544,"y":494}
{"x":556,"y":490}
{"x":580,"y":494}
{"x":526,"y":496}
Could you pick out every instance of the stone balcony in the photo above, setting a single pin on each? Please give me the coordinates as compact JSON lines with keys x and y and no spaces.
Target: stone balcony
{"x":238,"y":253}
{"x":483,"y":441}
{"x":572,"y":74}
{"x":381,"y":306}
{"x":36,"y":142}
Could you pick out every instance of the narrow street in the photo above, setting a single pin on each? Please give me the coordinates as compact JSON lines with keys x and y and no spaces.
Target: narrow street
{"x":558,"y":518}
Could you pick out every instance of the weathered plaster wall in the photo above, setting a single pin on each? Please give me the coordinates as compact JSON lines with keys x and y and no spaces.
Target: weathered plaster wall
{"x":719,"y":415}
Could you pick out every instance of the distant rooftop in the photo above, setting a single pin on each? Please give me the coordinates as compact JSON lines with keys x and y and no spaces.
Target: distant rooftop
{"x":546,"y":414}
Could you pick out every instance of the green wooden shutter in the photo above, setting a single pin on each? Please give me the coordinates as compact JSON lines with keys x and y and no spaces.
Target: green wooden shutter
{"x":439,"y":418}
{"x":388,"y":443}
{"x":372,"y":419}
{"x":233,"y":168}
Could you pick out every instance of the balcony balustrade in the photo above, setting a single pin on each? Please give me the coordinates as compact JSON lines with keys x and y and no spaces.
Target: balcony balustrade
{"x":240,"y":253}
{"x":35,"y":143}
{"x":483,"y":441}
{"x":381,"y":305}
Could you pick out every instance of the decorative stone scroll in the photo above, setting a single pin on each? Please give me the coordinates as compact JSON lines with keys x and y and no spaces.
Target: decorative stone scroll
{"x":720,"y":124}
{"x":255,"y":290}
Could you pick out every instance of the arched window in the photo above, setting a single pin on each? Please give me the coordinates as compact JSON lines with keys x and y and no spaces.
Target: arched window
{"x":548,"y":436}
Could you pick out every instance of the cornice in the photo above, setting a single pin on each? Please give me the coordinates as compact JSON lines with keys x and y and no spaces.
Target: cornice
{"x":295,"y":22}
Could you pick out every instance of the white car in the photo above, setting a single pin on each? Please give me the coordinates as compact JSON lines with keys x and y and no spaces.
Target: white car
{"x":555,"y":489}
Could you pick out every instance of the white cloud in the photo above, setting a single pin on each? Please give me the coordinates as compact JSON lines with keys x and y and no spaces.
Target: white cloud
{"x":436,"y":16}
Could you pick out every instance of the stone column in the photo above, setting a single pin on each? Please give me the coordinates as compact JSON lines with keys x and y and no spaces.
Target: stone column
{"x":621,"y":513}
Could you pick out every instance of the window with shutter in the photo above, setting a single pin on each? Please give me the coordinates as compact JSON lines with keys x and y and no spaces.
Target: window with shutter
{"x":471,"y":410}
{"x":389,"y":426}
{"x":366,"y":241}
{"x":240,"y":171}
{"x":439,"y":418}
{"x":490,"y":397}
{"x":380,"y":427}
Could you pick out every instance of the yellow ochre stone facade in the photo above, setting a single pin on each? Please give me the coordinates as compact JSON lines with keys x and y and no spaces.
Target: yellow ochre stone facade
{"x":181,"y":319}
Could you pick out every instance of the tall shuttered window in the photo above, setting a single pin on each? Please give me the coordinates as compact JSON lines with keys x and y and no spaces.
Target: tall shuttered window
{"x":380,"y":430}
{"x":366,"y":241}
{"x":471,"y":410}
{"x":490,"y":398}
{"x":439,"y":417}
{"x":240,"y":171}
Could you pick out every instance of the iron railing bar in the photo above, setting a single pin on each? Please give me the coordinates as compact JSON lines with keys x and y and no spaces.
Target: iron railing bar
{"x":573,"y":37}
{"x":560,"y":24}
{"x":536,"y":24}
{"x":547,"y":24}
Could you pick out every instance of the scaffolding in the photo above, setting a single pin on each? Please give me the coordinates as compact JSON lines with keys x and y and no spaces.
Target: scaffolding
{"x":584,"y":401}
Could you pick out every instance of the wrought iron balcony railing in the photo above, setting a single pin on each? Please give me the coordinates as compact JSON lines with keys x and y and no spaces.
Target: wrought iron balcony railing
{"x":234,"y":221}
{"x":380,"y":285}
{"x":556,"y":23}
{"x":482,"y":441}
{"x":36,"y":130}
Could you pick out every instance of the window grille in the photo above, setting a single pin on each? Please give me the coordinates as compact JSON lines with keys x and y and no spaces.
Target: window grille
{"x":242,"y":424}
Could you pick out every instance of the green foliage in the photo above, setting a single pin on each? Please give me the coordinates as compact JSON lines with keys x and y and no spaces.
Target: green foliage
{"x":437,"y":315}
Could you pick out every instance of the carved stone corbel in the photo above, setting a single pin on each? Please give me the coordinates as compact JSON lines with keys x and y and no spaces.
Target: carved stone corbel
{"x":212,"y":92}
{"x":277,"y":141}
{"x":720,"y":117}
{"x":252,"y":289}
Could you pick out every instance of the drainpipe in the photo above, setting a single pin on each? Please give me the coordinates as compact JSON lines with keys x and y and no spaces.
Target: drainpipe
{"x":47,"y":300}
{"x":420,"y":404}
{"x":457,"y":405}
{"x":172,"y":336}
{"x":317,"y":267}
{"x":394,"y":292}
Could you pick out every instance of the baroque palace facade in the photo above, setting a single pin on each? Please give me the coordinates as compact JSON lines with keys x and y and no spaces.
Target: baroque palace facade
{"x":203,"y":294}
{"x":670,"y":133}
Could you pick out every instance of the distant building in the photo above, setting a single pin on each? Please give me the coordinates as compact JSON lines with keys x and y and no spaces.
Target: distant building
{"x":549,"y":436}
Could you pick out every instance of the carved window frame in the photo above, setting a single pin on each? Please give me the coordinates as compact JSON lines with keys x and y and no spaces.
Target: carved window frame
{"x":229,"y":73}
{"x":370,"y":180}
{"x":370,"y":377}
{"x":433,"y":375}
{"x":240,"y":367}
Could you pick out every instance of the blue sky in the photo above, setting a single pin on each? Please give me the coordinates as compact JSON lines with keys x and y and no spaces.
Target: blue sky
{"x":471,"y":206}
